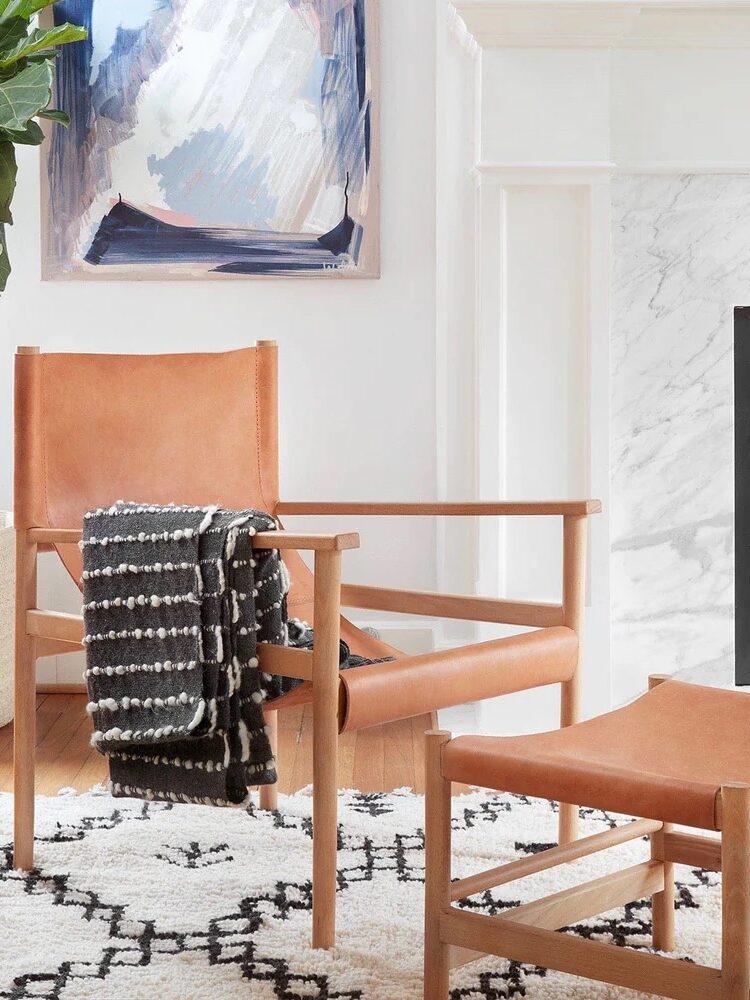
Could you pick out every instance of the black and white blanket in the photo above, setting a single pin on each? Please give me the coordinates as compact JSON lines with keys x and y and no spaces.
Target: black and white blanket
{"x":175,"y":603}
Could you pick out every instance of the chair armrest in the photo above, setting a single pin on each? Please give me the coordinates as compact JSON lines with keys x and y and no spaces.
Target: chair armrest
{"x":263,"y":539}
{"x":480,"y":508}
{"x":475,"y":609}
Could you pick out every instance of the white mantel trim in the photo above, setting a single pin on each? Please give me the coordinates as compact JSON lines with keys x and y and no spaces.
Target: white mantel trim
{"x":510,"y":174}
{"x":608,"y":24}
{"x":683,"y":167}
{"x":457,"y":26}
{"x":543,"y":174}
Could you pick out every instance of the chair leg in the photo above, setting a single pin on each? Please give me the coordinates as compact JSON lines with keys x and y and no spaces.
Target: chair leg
{"x":269,"y":794}
{"x":570,"y":699}
{"x":24,"y":724}
{"x":662,"y":903}
{"x":437,"y":867}
{"x":568,"y":823}
{"x":325,"y":745}
{"x":735,"y":876}
{"x":575,"y":531}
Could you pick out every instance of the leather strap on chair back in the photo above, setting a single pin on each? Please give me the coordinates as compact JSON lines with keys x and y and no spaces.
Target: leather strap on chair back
{"x":184,"y":428}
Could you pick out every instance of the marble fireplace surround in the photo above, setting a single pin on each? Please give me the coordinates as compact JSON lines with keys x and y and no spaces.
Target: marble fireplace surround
{"x":609,"y":132}
{"x":680,"y":264}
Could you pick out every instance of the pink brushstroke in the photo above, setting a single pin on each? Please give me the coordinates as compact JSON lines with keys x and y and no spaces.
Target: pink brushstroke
{"x":164,"y":214}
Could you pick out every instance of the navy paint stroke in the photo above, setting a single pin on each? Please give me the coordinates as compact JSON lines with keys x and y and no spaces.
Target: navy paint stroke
{"x":127,"y":235}
{"x":361,"y":35}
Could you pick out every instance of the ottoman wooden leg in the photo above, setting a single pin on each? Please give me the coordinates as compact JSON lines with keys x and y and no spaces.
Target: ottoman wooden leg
{"x":735,"y":859}
{"x":662,"y":903}
{"x":437,"y":867}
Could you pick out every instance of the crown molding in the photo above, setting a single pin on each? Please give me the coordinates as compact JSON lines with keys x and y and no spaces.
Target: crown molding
{"x":457,"y":27}
{"x":609,"y":24}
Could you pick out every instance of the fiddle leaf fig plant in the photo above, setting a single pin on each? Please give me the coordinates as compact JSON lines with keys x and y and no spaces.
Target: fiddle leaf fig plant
{"x":27,"y":55}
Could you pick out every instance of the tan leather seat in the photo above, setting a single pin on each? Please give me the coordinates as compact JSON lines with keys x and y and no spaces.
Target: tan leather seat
{"x":414,"y":685}
{"x":663,"y":757}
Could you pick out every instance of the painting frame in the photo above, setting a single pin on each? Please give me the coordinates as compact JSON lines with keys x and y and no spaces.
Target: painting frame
{"x":368,"y":265}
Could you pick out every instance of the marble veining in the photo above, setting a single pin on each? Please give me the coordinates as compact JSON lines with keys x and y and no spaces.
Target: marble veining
{"x":680,"y":263}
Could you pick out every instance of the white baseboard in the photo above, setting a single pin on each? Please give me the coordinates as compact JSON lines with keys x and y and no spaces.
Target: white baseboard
{"x":462,"y":720}
{"x":66,"y":669}
{"x":410,"y":637}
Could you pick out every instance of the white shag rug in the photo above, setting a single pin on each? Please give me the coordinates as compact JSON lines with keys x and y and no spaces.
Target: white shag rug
{"x":138,"y":900}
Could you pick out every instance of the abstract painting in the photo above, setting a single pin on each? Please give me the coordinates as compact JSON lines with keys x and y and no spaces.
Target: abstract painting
{"x":215,"y":138}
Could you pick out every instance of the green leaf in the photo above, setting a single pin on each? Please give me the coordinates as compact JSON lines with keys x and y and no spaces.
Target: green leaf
{"x":53,"y":115}
{"x":32,"y":135}
{"x":4,"y":260}
{"x":23,"y":8}
{"x":12,"y":32}
{"x":4,"y":4}
{"x":7,"y":179}
{"x":25,"y":95}
{"x":40,"y":39}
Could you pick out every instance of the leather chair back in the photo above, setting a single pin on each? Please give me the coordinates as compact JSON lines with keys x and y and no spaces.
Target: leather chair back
{"x":185,"y":428}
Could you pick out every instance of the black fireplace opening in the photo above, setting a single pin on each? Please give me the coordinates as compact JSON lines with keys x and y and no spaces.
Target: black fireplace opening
{"x":742,"y":494}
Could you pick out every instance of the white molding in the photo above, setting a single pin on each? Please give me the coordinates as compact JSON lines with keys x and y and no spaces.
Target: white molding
{"x":520,"y":174}
{"x":586,"y":173}
{"x":457,"y":27}
{"x":460,"y":720}
{"x":607,"y":23}
{"x":491,"y":417}
{"x":597,"y":685}
{"x":450,"y":28}
{"x":683,"y":167}
{"x":411,"y":637}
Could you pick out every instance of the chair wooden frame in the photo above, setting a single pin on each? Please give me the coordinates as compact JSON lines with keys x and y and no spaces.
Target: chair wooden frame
{"x":42,"y":632}
{"x":531,"y":932}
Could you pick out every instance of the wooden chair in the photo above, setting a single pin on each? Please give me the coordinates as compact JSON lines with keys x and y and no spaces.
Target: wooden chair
{"x":202,"y":428}
{"x":678,"y":755}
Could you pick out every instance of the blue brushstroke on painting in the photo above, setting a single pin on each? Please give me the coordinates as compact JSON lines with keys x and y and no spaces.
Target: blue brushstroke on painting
{"x":108,"y":18}
{"x":72,"y":73}
{"x":213,"y":176}
{"x":313,"y":89}
{"x":242,"y":193}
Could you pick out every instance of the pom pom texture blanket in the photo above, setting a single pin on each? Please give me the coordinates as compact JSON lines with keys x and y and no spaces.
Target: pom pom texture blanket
{"x":176,"y":601}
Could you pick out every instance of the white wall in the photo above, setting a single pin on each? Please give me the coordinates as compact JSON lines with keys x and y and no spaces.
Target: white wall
{"x":357,"y":357}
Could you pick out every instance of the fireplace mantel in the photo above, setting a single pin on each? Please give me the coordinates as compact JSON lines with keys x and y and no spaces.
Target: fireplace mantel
{"x":607,"y":24}
{"x":594,"y":235}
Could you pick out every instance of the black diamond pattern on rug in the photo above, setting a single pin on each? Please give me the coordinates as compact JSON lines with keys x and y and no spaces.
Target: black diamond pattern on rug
{"x":136,"y":899}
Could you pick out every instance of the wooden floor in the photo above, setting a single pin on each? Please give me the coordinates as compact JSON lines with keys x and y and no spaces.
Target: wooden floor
{"x":377,"y":759}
